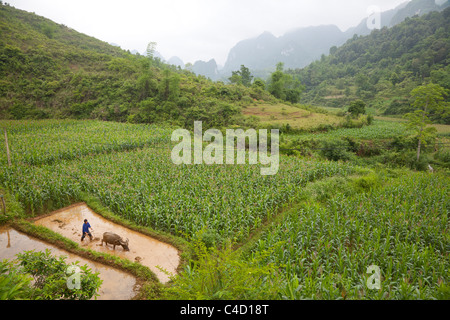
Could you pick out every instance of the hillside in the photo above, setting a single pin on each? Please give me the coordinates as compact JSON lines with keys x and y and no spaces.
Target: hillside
{"x":302,"y":46}
{"x":384,"y":67}
{"x":48,"y":70}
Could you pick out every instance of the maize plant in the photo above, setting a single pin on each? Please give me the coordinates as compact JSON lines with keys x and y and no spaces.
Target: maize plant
{"x":402,"y":227}
{"x":138,"y":181}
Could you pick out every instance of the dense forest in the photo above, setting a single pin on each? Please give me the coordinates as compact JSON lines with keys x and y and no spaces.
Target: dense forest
{"x":384,"y":67}
{"x":48,"y":70}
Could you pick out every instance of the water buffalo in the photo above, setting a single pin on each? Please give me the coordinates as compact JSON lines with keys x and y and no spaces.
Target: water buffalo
{"x":115,"y":240}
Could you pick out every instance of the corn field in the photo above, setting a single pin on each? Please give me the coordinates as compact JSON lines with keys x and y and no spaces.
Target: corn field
{"x":321,"y":248}
{"x":129,"y":168}
{"x":51,"y":141}
{"x":145,"y":187}
{"x":403,"y":228}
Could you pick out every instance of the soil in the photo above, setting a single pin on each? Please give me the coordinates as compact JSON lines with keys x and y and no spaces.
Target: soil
{"x":147,"y":251}
{"x":117,"y":285}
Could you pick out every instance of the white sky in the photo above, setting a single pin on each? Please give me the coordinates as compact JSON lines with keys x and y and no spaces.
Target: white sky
{"x":196,"y":29}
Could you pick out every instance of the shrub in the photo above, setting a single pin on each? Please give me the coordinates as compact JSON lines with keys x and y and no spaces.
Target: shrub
{"x":336,"y":150}
{"x":443,"y":156}
{"x":407,"y":159}
{"x":50,"y":278}
{"x":403,"y":143}
{"x":13,"y":284}
{"x":367,"y":183}
{"x":222,"y":274}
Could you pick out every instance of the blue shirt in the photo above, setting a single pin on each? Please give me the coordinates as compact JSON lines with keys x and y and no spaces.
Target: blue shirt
{"x":86,"y":227}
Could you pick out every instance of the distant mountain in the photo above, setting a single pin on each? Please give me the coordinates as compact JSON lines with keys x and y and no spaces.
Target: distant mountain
{"x":386,"y":18}
{"x":395,"y":16}
{"x":300,"y":47}
{"x":208,"y":69}
{"x":158,"y":55}
{"x":384,"y":67}
{"x":176,"y":61}
{"x":296,"y":48}
{"x":418,"y":7}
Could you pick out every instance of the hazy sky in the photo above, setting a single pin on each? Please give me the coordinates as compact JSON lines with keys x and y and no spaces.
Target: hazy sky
{"x":196,"y":29}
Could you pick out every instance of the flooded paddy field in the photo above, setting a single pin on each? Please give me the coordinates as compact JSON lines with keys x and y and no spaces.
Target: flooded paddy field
{"x":155,"y":255}
{"x":117,"y":285}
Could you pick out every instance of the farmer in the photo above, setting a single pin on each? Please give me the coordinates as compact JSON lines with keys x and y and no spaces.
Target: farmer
{"x":86,"y":227}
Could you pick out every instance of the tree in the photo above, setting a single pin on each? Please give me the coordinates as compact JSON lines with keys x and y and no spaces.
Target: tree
{"x":285,"y":86}
{"x":236,"y":77}
{"x":246,"y":76}
{"x":357,"y":108}
{"x":243,"y":76}
{"x":259,"y":83}
{"x":151,"y":48}
{"x":276,"y":82}
{"x":427,"y":98}
{"x":394,"y":79}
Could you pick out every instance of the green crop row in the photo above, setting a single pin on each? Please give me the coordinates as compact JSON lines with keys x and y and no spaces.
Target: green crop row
{"x":145,"y":187}
{"x":50,"y":141}
{"x":324,"y":250}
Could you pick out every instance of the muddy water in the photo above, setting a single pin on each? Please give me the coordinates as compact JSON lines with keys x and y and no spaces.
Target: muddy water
{"x":117,"y":285}
{"x":143,"y":249}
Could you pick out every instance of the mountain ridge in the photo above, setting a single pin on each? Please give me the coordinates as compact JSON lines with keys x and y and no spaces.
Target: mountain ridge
{"x":297,"y":49}
{"x":384,"y":67}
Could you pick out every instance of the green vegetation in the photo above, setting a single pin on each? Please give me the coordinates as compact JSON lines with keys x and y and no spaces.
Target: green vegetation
{"x":357,"y":108}
{"x":49,"y":275}
{"x":292,"y":118}
{"x":383,"y":68}
{"x":428,"y":99}
{"x":145,"y":187}
{"x":350,"y":191}
{"x":221,"y":274}
{"x":51,"y":71}
{"x":49,"y":141}
{"x":319,"y":223}
{"x":284,"y":86}
{"x":399,"y":224}
{"x":385,"y":143}
{"x":242,"y":76}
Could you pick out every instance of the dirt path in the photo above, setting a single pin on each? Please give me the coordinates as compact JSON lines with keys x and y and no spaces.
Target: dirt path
{"x":117,"y":285}
{"x":143,"y":249}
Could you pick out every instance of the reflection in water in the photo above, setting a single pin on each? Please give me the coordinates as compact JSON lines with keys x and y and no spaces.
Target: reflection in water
{"x":143,"y":249}
{"x":117,"y":285}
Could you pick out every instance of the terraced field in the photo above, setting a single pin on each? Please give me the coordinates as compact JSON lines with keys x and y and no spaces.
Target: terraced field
{"x":310,"y":231}
{"x":401,"y":227}
{"x":143,"y":185}
{"x":297,"y":118}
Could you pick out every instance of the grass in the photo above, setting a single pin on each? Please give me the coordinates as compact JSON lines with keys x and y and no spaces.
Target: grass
{"x":442,"y":129}
{"x":297,"y":118}
{"x":380,"y":130}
